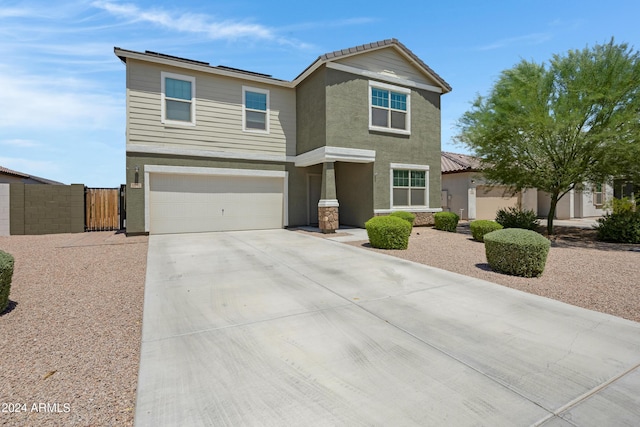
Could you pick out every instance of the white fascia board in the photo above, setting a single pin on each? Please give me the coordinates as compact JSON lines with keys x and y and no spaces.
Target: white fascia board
{"x":335,"y":154}
{"x":383,"y":77}
{"x":191,"y":170}
{"x":149,"y":149}
{"x":202,"y":68}
{"x":409,"y":166}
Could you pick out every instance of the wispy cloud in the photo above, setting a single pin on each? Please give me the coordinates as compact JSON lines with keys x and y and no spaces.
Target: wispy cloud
{"x":15,"y":12}
{"x":20,"y":143}
{"x":209,"y":26}
{"x":40,"y":102}
{"x":527,"y":40}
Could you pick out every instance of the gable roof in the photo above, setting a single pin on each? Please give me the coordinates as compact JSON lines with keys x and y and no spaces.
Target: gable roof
{"x":176,"y":61}
{"x":7,"y":171}
{"x":369,"y":47}
{"x":162,"y":58}
{"x":454,"y":162}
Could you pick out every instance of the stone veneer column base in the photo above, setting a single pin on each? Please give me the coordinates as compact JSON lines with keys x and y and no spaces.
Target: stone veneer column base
{"x":328,"y":218}
{"x":422,"y":218}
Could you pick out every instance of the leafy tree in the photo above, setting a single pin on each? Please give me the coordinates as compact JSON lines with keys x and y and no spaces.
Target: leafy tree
{"x":555,"y":126}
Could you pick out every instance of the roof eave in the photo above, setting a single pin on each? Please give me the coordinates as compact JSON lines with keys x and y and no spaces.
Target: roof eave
{"x":125,"y":54}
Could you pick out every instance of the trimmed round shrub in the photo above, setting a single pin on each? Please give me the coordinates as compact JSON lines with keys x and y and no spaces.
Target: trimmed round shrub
{"x":407,"y":216}
{"x":388,"y":232}
{"x":517,"y":252}
{"x":481,"y":227}
{"x":446,"y":221}
{"x":619,"y":227}
{"x":6,"y":273}
{"x":517,"y":218}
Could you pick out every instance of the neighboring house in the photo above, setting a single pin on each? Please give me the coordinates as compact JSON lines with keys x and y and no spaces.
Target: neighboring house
{"x":211,"y":148}
{"x":466,"y":192}
{"x":8,"y":176}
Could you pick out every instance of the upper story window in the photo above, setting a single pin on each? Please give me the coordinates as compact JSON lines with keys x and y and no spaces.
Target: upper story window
{"x":255,"y":106}
{"x":178,"y":99}
{"x":389,"y":108}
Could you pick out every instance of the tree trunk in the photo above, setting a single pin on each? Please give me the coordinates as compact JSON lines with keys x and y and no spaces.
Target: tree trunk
{"x":552,"y":213}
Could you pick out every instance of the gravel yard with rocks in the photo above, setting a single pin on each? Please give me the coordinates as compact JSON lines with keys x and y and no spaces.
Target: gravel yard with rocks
{"x":70,"y":340}
{"x":579,"y":270}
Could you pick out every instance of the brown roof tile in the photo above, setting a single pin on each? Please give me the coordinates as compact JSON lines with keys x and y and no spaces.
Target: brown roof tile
{"x":454,"y":162}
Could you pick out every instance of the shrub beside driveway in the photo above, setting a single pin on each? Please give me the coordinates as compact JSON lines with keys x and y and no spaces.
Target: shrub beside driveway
{"x":580,"y":271}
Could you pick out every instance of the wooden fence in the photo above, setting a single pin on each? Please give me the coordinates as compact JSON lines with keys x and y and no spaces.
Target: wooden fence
{"x":101,"y":209}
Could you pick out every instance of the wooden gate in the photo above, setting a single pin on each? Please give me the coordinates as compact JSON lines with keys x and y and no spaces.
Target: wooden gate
{"x":101,"y":209}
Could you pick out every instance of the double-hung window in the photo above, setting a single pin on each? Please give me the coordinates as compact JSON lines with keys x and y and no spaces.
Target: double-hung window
{"x":409,"y":187}
{"x":178,"y":99}
{"x":255,"y":105}
{"x":389,"y":108}
{"x":598,"y":195}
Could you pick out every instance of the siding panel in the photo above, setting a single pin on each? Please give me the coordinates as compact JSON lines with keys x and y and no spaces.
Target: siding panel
{"x":218,"y":114}
{"x":388,"y":61}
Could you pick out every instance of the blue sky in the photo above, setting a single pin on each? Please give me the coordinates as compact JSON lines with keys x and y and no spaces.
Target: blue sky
{"x":62,"y":90}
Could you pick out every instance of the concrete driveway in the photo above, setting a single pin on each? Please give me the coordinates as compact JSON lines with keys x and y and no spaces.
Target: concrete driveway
{"x":279,"y":328}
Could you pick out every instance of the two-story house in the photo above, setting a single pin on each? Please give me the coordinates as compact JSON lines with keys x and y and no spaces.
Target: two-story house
{"x":213,"y":148}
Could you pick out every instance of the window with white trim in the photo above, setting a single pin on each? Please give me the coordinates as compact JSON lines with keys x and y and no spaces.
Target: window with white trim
{"x":598,"y":195}
{"x":178,"y":99}
{"x":389,"y":108}
{"x":409,"y":188}
{"x":255,"y":110}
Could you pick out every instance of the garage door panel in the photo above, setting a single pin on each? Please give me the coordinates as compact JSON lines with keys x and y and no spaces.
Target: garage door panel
{"x":490,"y":200}
{"x":200,"y":203}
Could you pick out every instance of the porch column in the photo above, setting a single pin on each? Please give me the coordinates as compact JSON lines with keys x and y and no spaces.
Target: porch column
{"x":328,"y":204}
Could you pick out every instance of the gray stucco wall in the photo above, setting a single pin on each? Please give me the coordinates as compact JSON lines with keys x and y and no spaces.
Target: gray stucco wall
{"x":347,"y":124}
{"x":135,"y":196}
{"x":311,"y":112}
{"x":355,"y":192}
{"x":298,"y":201}
{"x":46,"y":209}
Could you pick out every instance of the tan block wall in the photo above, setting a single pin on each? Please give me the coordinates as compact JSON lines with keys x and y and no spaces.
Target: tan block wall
{"x":46,"y":209}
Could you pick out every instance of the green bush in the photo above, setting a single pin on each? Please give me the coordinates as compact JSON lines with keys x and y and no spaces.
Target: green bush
{"x":481,"y":227}
{"x":6,"y":273}
{"x":446,"y":221}
{"x":517,"y":252}
{"x":621,"y":205}
{"x":517,"y":218}
{"x":407,"y":216}
{"x":388,"y":232}
{"x":620,"y":227}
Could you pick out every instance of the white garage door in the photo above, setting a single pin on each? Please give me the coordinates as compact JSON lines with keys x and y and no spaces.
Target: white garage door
{"x":199,"y":203}
{"x":490,"y":200}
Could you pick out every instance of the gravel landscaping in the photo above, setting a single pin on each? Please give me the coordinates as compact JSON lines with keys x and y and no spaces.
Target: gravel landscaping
{"x":70,"y":340}
{"x":579,"y":270}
